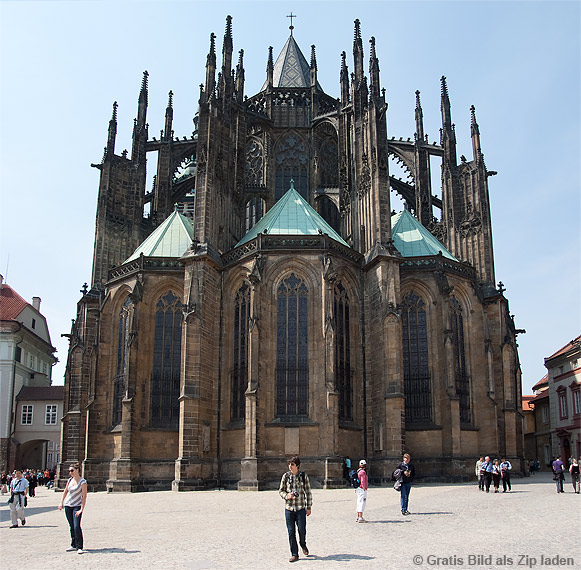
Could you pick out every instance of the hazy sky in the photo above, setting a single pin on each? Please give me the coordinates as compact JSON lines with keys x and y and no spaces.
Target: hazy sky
{"x":63,"y":64}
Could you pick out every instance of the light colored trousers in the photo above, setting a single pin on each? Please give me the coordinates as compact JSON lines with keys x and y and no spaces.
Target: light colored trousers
{"x":16,"y":512}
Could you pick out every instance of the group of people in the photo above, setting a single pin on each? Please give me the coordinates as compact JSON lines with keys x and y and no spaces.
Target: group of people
{"x":73,"y":502}
{"x":559,"y":474}
{"x":493,"y":472}
{"x":295,"y":489}
{"x":35,"y":478}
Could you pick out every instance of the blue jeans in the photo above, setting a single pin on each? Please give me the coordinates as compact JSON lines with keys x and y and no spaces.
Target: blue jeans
{"x":298,"y":518}
{"x":75,"y":526}
{"x":405,"y":495}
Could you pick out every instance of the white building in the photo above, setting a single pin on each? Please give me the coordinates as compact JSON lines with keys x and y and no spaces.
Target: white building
{"x":26,"y":359}
{"x":37,"y":429}
{"x":564,"y":376}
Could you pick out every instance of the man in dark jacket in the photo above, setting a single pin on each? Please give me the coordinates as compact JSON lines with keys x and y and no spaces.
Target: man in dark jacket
{"x":408,"y":474}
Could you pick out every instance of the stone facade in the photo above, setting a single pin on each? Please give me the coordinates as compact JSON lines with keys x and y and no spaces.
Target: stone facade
{"x":212,"y":367}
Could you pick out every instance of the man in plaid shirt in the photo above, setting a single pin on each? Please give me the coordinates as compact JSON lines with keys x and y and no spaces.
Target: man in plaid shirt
{"x":295,"y":489}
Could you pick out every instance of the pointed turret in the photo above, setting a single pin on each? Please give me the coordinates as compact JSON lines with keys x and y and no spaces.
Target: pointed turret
{"x":226,"y":79}
{"x":140,"y":123}
{"x":475,"y":133}
{"x":269,"y":68}
{"x":240,"y":77}
{"x":313,"y":67}
{"x":448,"y":135}
{"x":419,"y":119}
{"x":374,"y":71}
{"x":112,"y":133}
{"x":344,"y":80}
{"x":211,"y":68}
{"x":167,"y":134}
{"x":358,"y":53}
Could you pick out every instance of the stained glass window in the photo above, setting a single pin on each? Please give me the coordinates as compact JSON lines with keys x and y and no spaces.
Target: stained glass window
{"x":120,"y":380}
{"x":292,"y":163}
{"x":461,"y":377}
{"x":416,"y":372}
{"x":240,"y":367}
{"x":292,"y":348}
{"x":167,"y":349}
{"x":344,"y":383}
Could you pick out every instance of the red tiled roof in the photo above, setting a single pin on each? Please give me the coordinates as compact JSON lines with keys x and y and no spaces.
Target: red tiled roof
{"x":11,"y":303}
{"x":542,"y":383}
{"x":41,"y":393}
{"x":566,"y":348}
{"x":526,"y":400}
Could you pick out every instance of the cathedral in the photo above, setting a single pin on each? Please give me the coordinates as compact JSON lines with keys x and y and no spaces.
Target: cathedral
{"x":260,"y":299}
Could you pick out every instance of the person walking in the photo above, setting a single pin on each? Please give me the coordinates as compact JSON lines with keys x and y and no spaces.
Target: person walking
{"x":18,"y":498}
{"x":479,"y":474}
{"x":558,"y":474}
{"x":574,"y":471}
{"x":361,"y":491}
{"x":73,"y":500}
{"x":295,"y":489}
{"x":505,"y":467}
{"x":486,"y":470}
{"x":408,"y":473}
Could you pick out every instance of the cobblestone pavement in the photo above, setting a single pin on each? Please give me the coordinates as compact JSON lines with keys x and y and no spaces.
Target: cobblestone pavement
{"x":451,"y":526}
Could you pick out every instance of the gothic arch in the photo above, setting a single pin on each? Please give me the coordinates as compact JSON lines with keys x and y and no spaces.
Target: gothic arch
{"x":292,"y":161}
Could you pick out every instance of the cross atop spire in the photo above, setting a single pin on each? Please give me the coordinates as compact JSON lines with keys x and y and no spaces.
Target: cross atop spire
{"x":291,"y":27}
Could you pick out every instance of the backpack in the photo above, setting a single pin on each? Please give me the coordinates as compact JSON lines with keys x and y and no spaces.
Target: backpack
{"x":353,"y":479}
{"x":396,"y":475}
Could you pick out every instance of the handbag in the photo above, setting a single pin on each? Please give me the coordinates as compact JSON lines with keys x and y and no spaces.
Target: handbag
{"x":397,"y":486}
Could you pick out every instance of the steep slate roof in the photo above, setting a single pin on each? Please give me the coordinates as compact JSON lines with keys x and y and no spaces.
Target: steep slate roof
{"x":41,"y":393}
{"x":291,"y":68}
{"x":11,"y":303}
{"x":292,"y":215}
{"x":412,"y":239}
{"x":171,"y":239}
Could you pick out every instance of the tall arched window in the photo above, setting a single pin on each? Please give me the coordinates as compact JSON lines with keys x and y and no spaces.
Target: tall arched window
{"x":167,"y":350}
{"x":460,"y":375}
{"x":240,"y":368}
{"x":416,"y":372}
{"x":120,"y":380}
{"x":343,"y":373}
{"x":292,"y":370}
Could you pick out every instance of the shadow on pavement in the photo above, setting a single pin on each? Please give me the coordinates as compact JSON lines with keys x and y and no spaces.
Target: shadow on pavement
{"x":111,"y":551}
{"x":341,"y":557}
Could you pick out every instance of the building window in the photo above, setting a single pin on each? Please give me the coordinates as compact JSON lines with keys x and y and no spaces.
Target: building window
{"x":254,"y":211}
{"x":240,"y":360}
{"x":50,"y":416}
{"x":416,"y":373}
{"x":18,"y":354}
{"x":26,"y":416}
{"x":167,"y":352}
{"x":545,"y":414}
{"x":576,"y":400}
{"x":524,"y":424}
{"x":33,"y":323}
{"x":119,"y":383}
{"x":45,"y":368}
{"x":292,"y":163}
{"x":343,"y":372}
{"x":32,"y":362}
{"x":563,"y":409}
{"x":292,"y":348}
{"x":462,"y":380}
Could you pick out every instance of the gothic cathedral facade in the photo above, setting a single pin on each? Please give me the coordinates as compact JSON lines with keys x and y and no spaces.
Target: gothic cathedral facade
{"x":259,"y":299}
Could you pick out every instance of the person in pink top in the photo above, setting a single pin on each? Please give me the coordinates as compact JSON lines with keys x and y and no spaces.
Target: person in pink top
{"x":361,"y":491}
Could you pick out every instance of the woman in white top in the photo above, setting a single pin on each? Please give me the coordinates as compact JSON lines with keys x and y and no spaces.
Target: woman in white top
{"x":73,"y":500}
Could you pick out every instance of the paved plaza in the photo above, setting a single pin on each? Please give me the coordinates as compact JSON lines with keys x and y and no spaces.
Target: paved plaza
{"x":451,"y":526}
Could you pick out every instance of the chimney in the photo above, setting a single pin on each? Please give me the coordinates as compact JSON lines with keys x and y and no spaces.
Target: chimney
{"x":36,"y":303}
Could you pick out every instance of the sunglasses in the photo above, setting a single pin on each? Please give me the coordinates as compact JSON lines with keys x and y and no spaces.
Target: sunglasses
{"x":72,"y":470}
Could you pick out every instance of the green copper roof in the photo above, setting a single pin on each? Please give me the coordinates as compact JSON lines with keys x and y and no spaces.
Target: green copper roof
{"x":171,"y":239}
{"x":411,"y":239}
{"x":292,"y":215}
